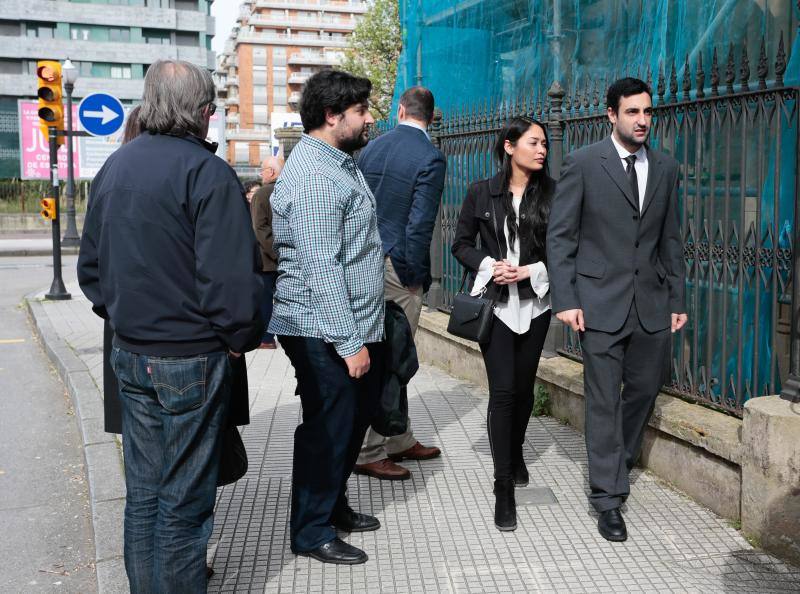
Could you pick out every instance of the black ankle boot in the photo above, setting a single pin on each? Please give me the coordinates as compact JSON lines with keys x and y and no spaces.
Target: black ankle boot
{"x":505,"y":507}
{"x":520,"y":473}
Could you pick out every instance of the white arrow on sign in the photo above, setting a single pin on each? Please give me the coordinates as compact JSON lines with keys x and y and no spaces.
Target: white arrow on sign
{"x":107,"y":115}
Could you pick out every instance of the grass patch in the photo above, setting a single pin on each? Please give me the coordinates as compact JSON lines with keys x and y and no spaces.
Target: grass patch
{"x":541,"y":401}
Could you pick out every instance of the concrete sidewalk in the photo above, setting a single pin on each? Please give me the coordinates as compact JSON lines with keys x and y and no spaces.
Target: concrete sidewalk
{"x":30,"y":245}
{"x":437,"y":531}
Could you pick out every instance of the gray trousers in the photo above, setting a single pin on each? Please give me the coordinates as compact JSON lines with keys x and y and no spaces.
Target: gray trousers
{"x":615,"y":423}
{"x":376,"y":446}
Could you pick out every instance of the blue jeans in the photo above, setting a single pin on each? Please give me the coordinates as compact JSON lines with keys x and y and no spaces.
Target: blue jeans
{"x":336,"y":414}
{"x":266,"y":303}
{"x":173,"y":413}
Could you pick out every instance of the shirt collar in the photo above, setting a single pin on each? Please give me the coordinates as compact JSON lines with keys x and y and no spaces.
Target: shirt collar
{"x":641,"y":154}
{"x":326,"y":150}
{"x":417,"y":126}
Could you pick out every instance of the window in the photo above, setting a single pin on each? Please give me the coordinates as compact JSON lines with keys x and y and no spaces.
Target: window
{"x":264,"y":151}
{"x":241,"y":152}
{"x":260,"y":77}
{"x":119,"y":34}
{"x":79,"y":33}
{"x":279,"y":95}
{"x":279,"y":56}
{"x":279,"y":75}
{"x":9,"y":28}
{"x":259,"y":94}
{"x":259,"y":56}
{"x":156,"y":36}
{"x":187,"y":39}
{"x":260,"y":114}
{"x":10,"y":66}
{"x":186,"y":5}
{"x":121,"y":72}
{"x":40,"y":30}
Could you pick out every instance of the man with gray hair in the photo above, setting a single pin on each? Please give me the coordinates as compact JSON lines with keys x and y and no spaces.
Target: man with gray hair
{"x":168,"y":256}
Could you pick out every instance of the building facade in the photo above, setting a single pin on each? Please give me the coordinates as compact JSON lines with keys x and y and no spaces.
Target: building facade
{"x":273,"y":49}
{"x":112,"y":42}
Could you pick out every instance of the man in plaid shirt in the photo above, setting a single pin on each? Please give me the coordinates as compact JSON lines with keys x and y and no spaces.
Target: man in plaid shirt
{"x":329,"y":308}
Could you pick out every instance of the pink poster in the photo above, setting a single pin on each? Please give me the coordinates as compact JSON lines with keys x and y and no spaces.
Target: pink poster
{"x":34,"y":152}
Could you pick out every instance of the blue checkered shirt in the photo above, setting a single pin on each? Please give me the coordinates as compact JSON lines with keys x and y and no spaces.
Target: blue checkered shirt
{"x":330,"y":260}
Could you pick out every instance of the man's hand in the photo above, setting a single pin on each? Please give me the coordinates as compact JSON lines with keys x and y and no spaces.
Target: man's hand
{"x":234,"y":354}
{"x":358,"y":364}
{"x":572,"y":318}
{"x":679,"y":321}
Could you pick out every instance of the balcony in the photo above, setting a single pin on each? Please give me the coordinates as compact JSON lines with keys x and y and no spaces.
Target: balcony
{"x":299,"y":78}
{"x":313,"y":59}
{"x":247,"y":134}
{"x":294,"y":98}
{"x":232,"y":100}
{"x":232,"y":118}
{"x":323,"y":5}
{"x":233,"y":81}
{"x":325,"y":23}
{"x":286,"y":39}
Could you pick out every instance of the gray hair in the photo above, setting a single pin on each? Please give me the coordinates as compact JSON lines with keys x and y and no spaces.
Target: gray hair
{"x":175,"y":93}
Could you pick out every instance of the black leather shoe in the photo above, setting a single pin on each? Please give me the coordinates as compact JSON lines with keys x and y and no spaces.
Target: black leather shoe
{"x":611,"y":525}
{"x":338,"y":552}
{"x":352,"y":521}
{"x":505,"y":506}
{"x":520,"y":472}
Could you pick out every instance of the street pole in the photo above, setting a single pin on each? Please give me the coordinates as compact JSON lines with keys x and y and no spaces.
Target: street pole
{"x":58,"y":291}
{"x":71,"y":238}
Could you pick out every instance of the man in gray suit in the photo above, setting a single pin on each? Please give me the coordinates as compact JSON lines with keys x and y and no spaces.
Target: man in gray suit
{"x":615,"y":259}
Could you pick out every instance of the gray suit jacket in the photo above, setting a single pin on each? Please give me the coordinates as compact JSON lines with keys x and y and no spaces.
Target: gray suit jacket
{"x":602,"y":253}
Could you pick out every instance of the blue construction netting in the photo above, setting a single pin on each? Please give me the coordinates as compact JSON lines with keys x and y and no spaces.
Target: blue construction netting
{"x":473,"y":50}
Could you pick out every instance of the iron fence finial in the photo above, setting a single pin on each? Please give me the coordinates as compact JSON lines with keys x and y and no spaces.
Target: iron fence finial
{"x":730,"y":70}
{"x":780,"y":63}
{"x":744,"y":69}
{"x":700,"y":77}
{"x":714,"y":74}
{"x":763,"y":67}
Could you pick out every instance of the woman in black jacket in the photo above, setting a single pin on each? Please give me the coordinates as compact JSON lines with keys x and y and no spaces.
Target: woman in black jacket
{"x":509,"y":213}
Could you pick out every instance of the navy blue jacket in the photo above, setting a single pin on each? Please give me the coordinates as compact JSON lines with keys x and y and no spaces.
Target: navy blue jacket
{"x":168,"y":254}
{"x":406,"y":174}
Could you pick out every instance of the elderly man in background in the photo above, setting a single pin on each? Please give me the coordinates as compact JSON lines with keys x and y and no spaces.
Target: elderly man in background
{"x":262,"y":224}
{"x":168,"y":256}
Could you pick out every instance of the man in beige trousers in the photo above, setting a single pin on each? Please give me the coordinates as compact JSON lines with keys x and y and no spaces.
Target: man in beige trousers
{"x":406,"y":174}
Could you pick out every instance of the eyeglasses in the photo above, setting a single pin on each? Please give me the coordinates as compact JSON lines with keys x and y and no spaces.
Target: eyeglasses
{"x":212,"y":108}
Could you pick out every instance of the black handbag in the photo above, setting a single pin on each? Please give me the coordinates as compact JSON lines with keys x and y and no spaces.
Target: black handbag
{"x":233,"y":458}
{"x":472,"y":317}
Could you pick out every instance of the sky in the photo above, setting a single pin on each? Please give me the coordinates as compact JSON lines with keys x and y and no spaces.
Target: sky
{"x":225,"y":12}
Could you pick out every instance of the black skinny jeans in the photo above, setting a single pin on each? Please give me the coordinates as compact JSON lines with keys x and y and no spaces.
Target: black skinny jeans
{"x":511,"y":361}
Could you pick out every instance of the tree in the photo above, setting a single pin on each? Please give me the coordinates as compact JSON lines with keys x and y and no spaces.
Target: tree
{"x":373,"y":50}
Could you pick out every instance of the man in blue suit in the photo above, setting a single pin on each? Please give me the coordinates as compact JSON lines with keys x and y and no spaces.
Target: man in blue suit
{"x":406,"y":174}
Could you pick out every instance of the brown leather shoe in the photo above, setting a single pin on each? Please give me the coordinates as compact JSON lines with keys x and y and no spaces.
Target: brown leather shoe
{"x":416,"y":452}
{"x":385,"y":470}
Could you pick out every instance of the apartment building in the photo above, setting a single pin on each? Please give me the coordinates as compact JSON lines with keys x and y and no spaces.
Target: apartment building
{"x":274,"y":48}
{"x":112,"y":42}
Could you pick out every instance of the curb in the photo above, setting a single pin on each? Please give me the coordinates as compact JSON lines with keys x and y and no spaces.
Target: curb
{"x":37,"y":252}
{"x":102,"y":452}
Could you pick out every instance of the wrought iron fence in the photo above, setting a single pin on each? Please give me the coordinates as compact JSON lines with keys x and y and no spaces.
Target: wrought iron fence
{"x":736,"y":140}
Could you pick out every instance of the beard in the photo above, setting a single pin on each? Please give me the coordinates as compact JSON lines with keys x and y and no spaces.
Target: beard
{"x":630,"y":138}
{"x":351,"y":143}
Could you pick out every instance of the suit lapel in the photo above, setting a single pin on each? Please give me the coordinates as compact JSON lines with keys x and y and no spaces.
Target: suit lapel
{"x":654,"y":174}
{"x":613,"y":166}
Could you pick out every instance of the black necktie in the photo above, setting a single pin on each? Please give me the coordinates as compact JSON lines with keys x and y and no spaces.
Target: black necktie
{"x":634,"y":181}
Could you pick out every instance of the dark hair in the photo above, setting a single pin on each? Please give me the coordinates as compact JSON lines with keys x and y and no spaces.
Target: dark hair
{"x":132,"y":125}
{"x":249,"y":185}
{"x":625,"y":87}
{"x":334,"y":90}
{"x":536,"y":198}
{"x":418,"y":102}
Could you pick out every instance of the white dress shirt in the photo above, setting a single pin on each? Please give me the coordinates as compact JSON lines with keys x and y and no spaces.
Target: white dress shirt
{"x":516,"y":313}
{"x":417,"y":126}
{"x":640,"y":166}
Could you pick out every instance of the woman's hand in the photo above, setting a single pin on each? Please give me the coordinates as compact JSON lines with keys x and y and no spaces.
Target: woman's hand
{"x":505,"y":273}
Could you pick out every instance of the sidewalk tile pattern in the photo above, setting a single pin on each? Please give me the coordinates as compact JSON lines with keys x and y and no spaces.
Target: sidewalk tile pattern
{"x":437,"y":532}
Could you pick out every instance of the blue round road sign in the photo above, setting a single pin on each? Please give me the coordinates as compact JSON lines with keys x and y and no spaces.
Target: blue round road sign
{"x":101,"y":114}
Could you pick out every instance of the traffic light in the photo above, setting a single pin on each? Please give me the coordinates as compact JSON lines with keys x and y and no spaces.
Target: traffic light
{"x":51,"y":109}
{"x":48,"y":208}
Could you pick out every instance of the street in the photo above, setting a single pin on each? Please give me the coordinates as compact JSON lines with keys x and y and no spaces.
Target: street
{"x":48,"y":541}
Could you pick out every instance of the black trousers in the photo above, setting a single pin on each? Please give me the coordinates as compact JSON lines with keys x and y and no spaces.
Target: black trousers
{"x":511,"y":362}
{"x":336,"y":414}
{"x":615,"y":422}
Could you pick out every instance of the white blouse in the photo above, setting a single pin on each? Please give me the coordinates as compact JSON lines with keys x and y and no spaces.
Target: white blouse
{"x":516,"y":313}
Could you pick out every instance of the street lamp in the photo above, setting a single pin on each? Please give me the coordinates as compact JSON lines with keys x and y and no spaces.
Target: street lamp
{"x":69,"y":75}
